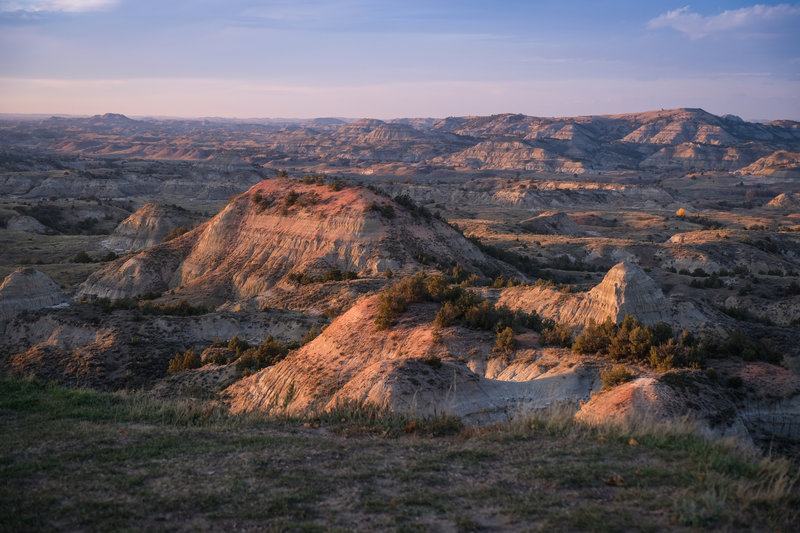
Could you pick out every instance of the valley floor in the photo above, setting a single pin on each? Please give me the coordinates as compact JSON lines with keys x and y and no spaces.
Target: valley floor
{"x":82,"y":460}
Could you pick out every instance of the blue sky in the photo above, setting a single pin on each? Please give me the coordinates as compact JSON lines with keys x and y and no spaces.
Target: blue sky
{"x":355,"y":58}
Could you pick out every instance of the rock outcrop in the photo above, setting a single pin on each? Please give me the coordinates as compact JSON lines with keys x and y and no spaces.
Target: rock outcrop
{"x":409,"y":368}
{"x":766,"y":410}
{"x":287,"y":231}
{"x":625,"y":290}
{"x":552,"y":223}
{"x":27,"y":289}
{"x":781,"y":164}
{"x":148,"y":226}
{"x":785,"y":201}
{"x":25,"y":223}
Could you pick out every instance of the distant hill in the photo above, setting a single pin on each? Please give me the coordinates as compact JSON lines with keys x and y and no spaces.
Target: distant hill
{"x":674,"y":140}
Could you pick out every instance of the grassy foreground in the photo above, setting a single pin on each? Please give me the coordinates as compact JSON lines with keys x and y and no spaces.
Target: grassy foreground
{"x":83,"y":460}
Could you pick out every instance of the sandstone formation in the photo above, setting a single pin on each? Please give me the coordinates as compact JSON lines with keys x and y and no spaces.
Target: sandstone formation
{"x":410,"y":368}
{"x":287,"y":231}
{"x":625,"y":290}
{"x":552,"y":223}
{"x":27,"y":289}
{"x":148,"y":226}
{"x":781,"y":164}
{"x":785,"y":201}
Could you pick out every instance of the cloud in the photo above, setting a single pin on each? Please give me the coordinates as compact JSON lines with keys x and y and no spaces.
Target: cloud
{"x":697,"y":26}
{"x":66,"y":6}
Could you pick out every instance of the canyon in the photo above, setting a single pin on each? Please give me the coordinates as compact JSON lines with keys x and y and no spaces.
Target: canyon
{"x":272,"y":248}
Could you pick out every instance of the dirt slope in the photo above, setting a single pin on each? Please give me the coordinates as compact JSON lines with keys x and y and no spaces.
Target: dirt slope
{"x":411,"y":367}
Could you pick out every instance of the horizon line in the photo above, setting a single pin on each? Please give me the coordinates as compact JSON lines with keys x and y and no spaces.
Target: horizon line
{"x":354,"y":119}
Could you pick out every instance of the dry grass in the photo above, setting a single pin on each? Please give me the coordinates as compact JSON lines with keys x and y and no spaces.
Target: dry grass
{"x":81,"y":460}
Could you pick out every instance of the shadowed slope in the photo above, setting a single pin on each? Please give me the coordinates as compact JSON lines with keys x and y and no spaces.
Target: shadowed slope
{"x":26,"y":289}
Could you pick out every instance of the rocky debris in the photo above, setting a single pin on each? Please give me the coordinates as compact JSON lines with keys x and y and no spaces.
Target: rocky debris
{"x":785,"y":201}
{"x":409,"y":368}
{"x":552,"y":223}
{"x":286,"y":232}
{"x":625,"y":290}
{"x":28,"y":289}
{"x":149,"y":226}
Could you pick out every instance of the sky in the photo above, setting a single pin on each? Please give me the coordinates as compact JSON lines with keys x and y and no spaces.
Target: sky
{"x":388,"y":59}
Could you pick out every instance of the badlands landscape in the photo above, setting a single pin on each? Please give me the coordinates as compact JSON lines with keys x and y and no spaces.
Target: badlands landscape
{"x":443,"y":303}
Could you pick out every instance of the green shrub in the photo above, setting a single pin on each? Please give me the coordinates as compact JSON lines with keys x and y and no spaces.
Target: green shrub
{"x":792,"y":290}
{"x":308,"y":199}
{"x":459,"y":305}
{"x":267,"y":354}
{"x":218,"y":356}
{"x":310,"y":335}
{"x":336,"y":184}
{"x":82,"y":257}
{"x":595,"y":338}
{"x":506,"y":342}
{"x":711,"y":282}
{"x":628,"y":339}
{"x":332,"y":275}
{"x":556,"y":335}
{"x":734,"y":382}
{"x":447,"y":315}
{"x":238,"y":345}
{"x":184,"y":361}
{"x":394,"y":300}
{"x":669,"y":355}
{"x":174,"y":233}
{"x":385,"y":210}
{"x":290,"y":198}
{"x":262,"y":202}
{"x":179,"y":308}
{"x":432,"y":360}
{"x":480,"y":316}
{"x":616,"y":376}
